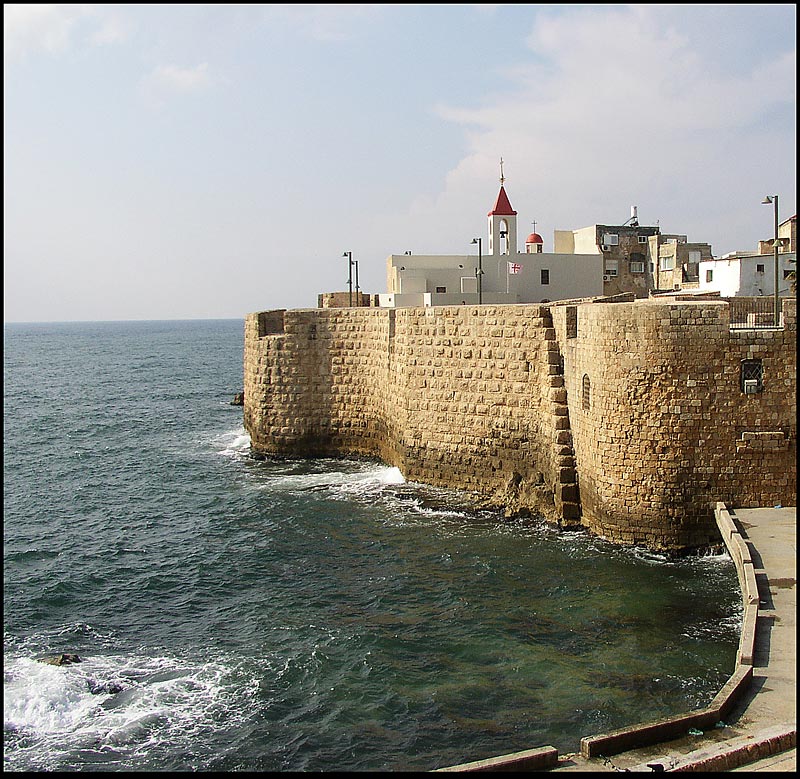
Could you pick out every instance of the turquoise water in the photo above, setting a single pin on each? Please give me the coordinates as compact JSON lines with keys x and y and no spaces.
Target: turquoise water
{"x":239,"y":614}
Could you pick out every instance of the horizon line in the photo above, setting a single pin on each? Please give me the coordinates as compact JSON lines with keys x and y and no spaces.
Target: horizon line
{"x":113,"y":321}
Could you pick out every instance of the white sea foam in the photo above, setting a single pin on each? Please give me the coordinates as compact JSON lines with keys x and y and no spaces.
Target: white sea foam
{"x":116,"y":702}
{"x":234,"y":443}
{"x":434,"y":512}
{"x":729,"y":625}
{"x":391,"y":476}
{"x":44,"y":698}
{"x":345,"y":484}
{"x":649,"y":556}
{"x":370,"y":480}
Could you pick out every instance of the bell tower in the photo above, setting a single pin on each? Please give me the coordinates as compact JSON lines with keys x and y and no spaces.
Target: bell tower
{"x":502,"y":223}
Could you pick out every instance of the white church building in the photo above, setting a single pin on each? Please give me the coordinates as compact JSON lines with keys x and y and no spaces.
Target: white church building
{"x":496,"y":273}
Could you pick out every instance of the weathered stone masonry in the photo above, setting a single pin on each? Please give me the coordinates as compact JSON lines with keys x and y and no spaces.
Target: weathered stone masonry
{"x":626,"y":417}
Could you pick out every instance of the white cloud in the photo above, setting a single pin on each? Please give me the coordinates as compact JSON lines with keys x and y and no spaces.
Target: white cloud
{"x":27,"y":28}
{"x":112,"y":30}
{"x":165,"y":81}
{"x":335,"y":22}
{"x":177,"y":79}
{"x":53,"y":28}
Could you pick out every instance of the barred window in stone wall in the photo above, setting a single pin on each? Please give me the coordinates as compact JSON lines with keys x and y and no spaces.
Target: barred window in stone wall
{"x":585,"y":397}
{"x":572,"y":321}
{"x":751,"y":377}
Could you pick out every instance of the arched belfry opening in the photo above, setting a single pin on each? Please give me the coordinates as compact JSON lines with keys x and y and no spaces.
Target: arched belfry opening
{"x":502,"y":222}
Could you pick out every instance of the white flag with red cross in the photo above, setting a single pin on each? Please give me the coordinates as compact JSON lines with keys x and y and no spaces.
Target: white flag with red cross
{"x":514,"y":267}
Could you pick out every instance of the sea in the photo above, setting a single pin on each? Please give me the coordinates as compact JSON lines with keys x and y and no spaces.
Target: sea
{"x":241,"y":614}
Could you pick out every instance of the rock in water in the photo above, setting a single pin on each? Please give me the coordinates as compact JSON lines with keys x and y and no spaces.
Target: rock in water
{"x":238,"y":399}
{"x":63,"y":659}
{"x":104,"y":688}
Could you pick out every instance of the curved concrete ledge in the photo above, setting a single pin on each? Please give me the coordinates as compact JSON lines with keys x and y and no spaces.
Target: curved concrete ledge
{"x":740,"y":553}
{"x":528,"y":760}
{"x":670,"y":728}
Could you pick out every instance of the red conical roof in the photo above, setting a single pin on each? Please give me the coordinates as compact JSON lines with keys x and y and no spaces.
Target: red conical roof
{"x":502,"y":207}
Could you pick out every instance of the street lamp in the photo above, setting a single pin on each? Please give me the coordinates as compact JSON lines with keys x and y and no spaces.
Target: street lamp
{"x":358,"y":292}
{"x":766,"y":201}
{"x":479,"y":273}
{"x":349,"y":256}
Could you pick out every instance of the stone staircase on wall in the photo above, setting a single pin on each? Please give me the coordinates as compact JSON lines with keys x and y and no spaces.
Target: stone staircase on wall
{"x":565,"y":489}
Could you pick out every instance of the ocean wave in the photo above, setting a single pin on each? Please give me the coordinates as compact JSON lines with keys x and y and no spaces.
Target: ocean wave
{"x":726,"y":627}
{"x":113,"y":704}
{"x":233,"y":443}
{"x":346,"y":481}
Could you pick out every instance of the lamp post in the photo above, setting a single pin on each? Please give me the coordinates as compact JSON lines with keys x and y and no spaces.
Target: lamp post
{"x":349,"y":256}
{"x":766,"y":201}
{"x":479,"y":273}
{"x":358,"y":292}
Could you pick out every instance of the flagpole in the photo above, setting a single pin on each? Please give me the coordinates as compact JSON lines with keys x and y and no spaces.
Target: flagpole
{"x":507,"y":281}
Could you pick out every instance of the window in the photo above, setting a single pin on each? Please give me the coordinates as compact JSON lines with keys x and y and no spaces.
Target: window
{"x":709,"y":275}
{"x":572,"y":321}
{"x":441,"y":290}
{"x":694,"y":256}
{"x":612,"y":268}
{"x":545,"y":276}
{"x":759,"y":268}
{"x":751,"y":378}
{"x":636,"y":262}
{"x":666,"y":263}
{"x":586,"y":393}
{"x":611,"y":239}
{"x":642,"y":239}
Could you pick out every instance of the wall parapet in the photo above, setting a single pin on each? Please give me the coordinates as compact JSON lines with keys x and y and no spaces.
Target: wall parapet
{"x":270,"y":322}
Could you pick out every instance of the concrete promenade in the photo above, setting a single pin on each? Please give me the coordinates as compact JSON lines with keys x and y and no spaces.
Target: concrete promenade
{"x":760,"y":729}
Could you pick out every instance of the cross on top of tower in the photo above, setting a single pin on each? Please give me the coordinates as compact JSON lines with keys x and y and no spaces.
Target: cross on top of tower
{"x":502,"y":177}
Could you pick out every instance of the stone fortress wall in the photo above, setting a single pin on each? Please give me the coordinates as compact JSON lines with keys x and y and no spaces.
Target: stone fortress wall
{"x":625,"y":417}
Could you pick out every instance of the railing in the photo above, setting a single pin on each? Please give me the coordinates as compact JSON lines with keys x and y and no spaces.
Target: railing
{"x":753,"y":313}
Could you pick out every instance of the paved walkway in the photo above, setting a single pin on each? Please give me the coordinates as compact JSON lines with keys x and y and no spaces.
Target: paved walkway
{"x":772,"y":536}
{"x":770,"y":705}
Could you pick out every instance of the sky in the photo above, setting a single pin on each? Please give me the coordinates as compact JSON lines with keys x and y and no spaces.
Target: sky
{"x":208,"y":161}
